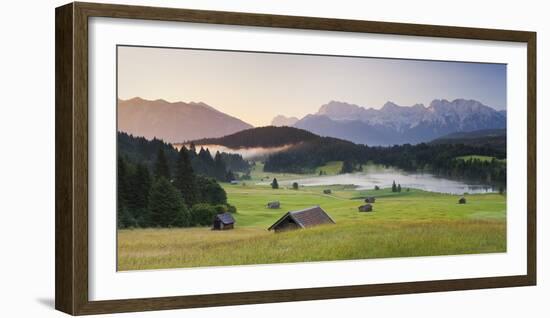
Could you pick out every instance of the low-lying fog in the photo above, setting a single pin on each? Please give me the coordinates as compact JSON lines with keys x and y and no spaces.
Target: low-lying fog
{"x":246,"y":153}
{"x":376,"y":175}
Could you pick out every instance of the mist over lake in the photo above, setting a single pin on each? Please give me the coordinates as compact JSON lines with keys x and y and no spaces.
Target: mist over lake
{"x":375,"y":175}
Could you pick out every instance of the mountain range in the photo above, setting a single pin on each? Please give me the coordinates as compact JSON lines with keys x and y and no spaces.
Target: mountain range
{"x":175,"y":122}
{"x":391,"y":124}
{"x":394,"y":124}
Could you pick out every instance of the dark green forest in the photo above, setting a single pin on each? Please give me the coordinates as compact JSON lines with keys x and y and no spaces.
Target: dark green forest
{"x":158,"y":186}
{"x":269,"y":136}
{"x":438,"y":158}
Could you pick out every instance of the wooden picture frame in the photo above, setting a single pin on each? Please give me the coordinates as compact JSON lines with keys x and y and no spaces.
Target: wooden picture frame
{"x":71,"y":90}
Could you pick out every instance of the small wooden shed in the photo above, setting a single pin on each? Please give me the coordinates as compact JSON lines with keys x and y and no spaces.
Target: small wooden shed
{"x":462,"y":200}
{"x":293,"y":220}
{"x":365,"y":208}
{"x":223,"y":221}
{"x":273,"y":205}
{"x":370,"y":199}
{"x":327,"y":191}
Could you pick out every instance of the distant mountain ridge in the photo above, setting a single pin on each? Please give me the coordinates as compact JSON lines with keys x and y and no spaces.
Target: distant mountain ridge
{"x":394,"y":124}
{"x":281,"y":120}
{"x":175,"y":122}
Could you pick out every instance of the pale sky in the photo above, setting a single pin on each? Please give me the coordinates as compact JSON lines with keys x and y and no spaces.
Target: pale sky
{"x":255,"y":87}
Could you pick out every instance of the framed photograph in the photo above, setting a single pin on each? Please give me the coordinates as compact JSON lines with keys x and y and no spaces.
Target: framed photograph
{"x":211,"y":158}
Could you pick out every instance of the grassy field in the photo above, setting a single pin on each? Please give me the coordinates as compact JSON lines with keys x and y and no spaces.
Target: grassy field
{"x":414,"y":223}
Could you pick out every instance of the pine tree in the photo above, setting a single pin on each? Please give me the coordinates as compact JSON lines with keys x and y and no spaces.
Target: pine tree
{"x":139,"y":194}
{"x":393,"y":187}
{"x":275,"y":184}
{"x":192,"y":150}
{"x":161,"y":165}
{"x":122,"y":182}
{"x":166,"y":206}
{"x":399,"y":187}
{"x":184,"y":179}
{"x":140,"y":186}
{"x":347,"y":167}
{"x":219,"y":167}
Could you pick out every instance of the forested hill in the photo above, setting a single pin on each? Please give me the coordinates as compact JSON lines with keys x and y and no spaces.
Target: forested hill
{"x":266,"y":137}
{"x":220,"y":166}
{"x":487,"y":138}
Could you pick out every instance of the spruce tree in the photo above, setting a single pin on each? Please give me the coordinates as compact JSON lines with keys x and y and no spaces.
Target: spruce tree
{"x":139,"y":194}
{"x":399,"y":187}
{"x":122,"y":182}
{"x":192,"y":150}
{"x":219,"y":167}
{"x":161,"y":165}
{"x":393,"y":187}
{"x":184,"y":179}
{"x":141,"y":185}
{"x":347,"y":167}
{"x":166,"y":206}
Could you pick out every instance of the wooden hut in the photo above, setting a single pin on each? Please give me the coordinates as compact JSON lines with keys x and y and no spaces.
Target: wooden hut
{"x":273,"y":205}
{"x":462,"y":200}
{"x":370,"y":199}
{"x":327,"y":191}
{"x":293,"y":220}
{"x":223,"y":221}
{"x":365,"y":208}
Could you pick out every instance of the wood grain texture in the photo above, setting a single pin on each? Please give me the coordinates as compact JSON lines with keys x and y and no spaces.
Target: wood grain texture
{"x":72,"y":157}
{"x":64,"y":235}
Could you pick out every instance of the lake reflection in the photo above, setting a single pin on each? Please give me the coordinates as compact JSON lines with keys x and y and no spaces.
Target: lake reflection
{"x":384,"y":177}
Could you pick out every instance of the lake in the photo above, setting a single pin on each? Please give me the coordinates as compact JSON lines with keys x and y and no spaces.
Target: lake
{"x":374,"y":175}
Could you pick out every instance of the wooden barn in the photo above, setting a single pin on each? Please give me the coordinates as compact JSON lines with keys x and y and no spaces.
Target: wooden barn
{"x":365,"y":208}
{"x":301,"y":219}
{"x":327,"y":191}
{"x":370,"y":199}
{"x":462,"y":200}
{"x":223,"y":221}
{"x":273,"y":205}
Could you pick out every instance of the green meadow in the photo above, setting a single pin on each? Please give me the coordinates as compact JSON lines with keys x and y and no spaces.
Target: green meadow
{"x":409,"y":223}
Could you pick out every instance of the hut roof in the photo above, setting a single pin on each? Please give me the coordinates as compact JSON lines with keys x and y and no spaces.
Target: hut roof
{"x":307,"y":217}
{"x":226,"y":218}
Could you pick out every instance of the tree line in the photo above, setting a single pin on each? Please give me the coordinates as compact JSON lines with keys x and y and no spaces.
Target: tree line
{"x":440,"y":159}
{"x":165,"y":195}
{"x":220,"y":166}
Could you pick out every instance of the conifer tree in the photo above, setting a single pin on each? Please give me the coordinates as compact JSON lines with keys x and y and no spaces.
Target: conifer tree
{"x":166,"y":206}
{"x":184,"y":179}
{"x":399,"y":187}
{"x":210,"y":191}
{"x":347,"y":167}
{"x":122,"y":182}
{"x":161,"y":165}
{"x":219,"y":167}
{"x":141,"y":185}
{"x":275,"y":184}
{"x":393,"y":187}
